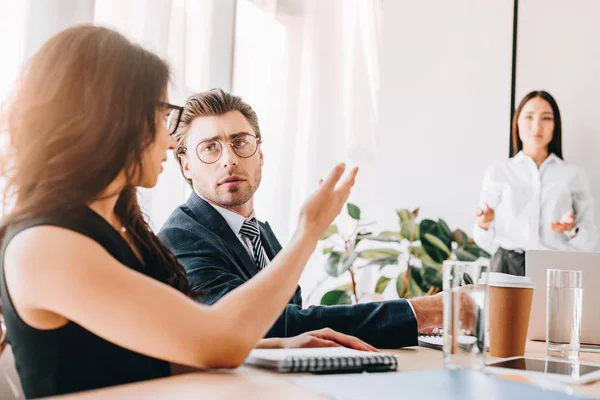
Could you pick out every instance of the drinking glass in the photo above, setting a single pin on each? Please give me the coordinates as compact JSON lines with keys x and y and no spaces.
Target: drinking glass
{"x":465,"y":314}
{"x":564,"y":293}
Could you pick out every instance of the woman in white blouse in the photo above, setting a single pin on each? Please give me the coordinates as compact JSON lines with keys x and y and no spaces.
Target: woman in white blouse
{"x":535,"y":200}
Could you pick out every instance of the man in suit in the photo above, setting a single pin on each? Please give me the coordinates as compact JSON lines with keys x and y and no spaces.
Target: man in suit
{"x":216,"y":236}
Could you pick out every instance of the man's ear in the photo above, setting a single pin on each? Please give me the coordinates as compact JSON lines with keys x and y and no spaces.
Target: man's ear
{"x":262,"y":158}
{"x":185,"y":166}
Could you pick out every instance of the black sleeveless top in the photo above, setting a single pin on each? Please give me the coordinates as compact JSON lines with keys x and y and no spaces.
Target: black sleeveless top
{"x":71,"y":358}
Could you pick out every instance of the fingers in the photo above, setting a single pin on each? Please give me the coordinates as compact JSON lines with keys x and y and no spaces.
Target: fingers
{"x":561,"y":227}
{"x":345,"y":340}
{"x":333,"y":177}
{"x":343,"y":188}
{"x":486,"y":213}
{"x":432,"y":330}
{"x":317,"y":342}
{"x":568,"y":218}
{"x":350,"y":178}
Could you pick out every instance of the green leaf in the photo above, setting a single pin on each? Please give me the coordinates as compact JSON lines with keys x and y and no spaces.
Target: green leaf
{"x":415,"y":274}
{"x":347,"y":287}
{"x":376,"y":254}
{"x":436,"y":252}
{"x":463,"y":255}
{"x":413,"y":290}
{"x":437,"y":242}
{"x":327,"y":250}
{"x":405,"y":215}
{"x":445,"y":233}
{"x":339,"y":262}
{"x":387,"y":236}
{"x":382,"y":284}
{"x":432,"y":276}
{"x":460,"y":237}
{"x":467,"y":280}
{"x":362,"y":235}
{"x":410,"y":230}
{"x":353,"y":211}
{"x":420,"y":253}
{"x":428,"y":226}
{"x":330,"y":231}
{"x":335,"y":297}
{"x":382,"y":262}
{"x":477,"y":251}
{"x":400,"y":284}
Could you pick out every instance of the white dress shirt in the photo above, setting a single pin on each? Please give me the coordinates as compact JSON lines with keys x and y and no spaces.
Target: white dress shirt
{"x":526,"y":200}
{"x":235,"y":222}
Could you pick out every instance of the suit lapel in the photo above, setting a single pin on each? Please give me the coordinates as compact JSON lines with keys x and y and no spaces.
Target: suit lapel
{"x":210,"y":218}
{"x":273,"y":247}
{"x":269,"y":240}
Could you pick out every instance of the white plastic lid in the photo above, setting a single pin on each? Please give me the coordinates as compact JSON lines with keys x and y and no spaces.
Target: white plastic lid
{"x":507,"y":280}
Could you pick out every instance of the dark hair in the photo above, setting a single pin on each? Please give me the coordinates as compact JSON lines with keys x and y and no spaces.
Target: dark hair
{"x":555,"y":146}
{"x":83,"y":110}
{"x":210,"y":103}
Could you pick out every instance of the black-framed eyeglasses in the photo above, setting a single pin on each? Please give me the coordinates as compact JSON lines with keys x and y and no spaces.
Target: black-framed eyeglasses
{"x":174,"y":116}
{"x":243,"y":145}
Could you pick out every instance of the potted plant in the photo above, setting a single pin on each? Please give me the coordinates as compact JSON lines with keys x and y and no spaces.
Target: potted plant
{"x":422,"y":246}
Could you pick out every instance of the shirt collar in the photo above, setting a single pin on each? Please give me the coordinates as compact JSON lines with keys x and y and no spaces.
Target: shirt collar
{"x":234,"y":220}
{"x":522,"y":157}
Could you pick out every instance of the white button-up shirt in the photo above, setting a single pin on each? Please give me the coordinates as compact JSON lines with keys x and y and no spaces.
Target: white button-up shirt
{"x":235,"y":222}
{"x":526,"y":200}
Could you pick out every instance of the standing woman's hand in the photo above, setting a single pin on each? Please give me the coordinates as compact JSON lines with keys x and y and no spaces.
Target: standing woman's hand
{"x":485,"y":217}
{"x":566,"y":223}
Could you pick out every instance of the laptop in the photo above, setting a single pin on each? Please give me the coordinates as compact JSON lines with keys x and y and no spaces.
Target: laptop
{"x":536,"y":264}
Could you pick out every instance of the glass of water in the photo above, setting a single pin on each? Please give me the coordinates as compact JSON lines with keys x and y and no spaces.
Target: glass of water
{"x":564,"y":293}
{"x":465,"y":314}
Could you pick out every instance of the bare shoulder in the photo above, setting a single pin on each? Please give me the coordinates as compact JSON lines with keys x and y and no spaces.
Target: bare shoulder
{"x":37,"y":262}
{"x":45,"y":243}
{"x":42,"y":254}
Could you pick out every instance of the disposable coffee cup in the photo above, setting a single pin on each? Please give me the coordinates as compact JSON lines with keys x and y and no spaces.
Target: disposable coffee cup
{"x":510,"y":299}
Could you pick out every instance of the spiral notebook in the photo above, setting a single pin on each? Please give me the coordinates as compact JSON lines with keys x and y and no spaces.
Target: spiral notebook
{"x":436,"y":340}
{"x":322,"y":360}
{"x":431,"y":340}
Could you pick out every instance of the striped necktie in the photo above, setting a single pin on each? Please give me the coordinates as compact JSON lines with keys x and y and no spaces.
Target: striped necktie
{"x":250,"y":230}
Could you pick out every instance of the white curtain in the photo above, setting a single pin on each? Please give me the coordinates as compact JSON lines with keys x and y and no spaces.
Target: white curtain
{"x":12,"y":25}
{"x":179,"y":31}
{"x":309,"y":69}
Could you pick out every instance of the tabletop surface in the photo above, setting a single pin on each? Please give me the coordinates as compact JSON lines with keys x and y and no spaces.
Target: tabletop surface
{"x":250,"y":383}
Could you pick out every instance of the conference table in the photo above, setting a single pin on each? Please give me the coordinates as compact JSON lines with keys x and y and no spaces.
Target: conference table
{"x":251,"y":383}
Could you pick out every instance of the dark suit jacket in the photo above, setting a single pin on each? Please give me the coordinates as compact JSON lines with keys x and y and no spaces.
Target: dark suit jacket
{"x":216,"y":263}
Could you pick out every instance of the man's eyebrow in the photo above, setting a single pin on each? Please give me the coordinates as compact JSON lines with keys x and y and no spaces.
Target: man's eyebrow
{"x":230,"y":136}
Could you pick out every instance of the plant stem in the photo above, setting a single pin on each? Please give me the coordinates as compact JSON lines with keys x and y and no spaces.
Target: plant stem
{"x":353,"y":283}
{"x":406,"y":282}
{"x":406,"y":278}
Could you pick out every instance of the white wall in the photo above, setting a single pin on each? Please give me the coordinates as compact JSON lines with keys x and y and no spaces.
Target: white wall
{"x":558,"y":51}
{"x":444,"y":105}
